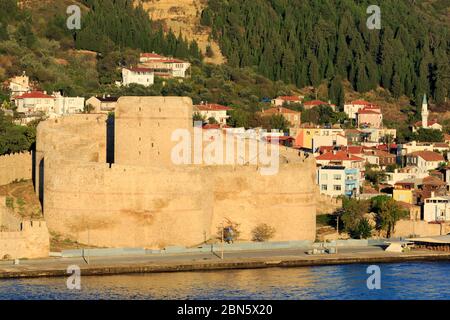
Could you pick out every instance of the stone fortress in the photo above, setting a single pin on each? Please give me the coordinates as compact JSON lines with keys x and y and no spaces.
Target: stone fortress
{"x":113,"y":183}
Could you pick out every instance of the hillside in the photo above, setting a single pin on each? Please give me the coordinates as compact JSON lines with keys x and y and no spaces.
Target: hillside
{"x":184,"y":16}
{"x":308,"y":42}
{"x":33,"y":38}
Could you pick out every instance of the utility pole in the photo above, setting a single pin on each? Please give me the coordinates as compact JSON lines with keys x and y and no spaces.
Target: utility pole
{"x":221,"y":256}
{"x":88,"y":257}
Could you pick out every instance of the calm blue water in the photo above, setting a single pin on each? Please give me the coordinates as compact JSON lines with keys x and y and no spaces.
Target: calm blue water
{"x":398,"y":281}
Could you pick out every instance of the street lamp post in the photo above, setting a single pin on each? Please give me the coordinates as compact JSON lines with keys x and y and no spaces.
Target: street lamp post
{"x":221,"y":255}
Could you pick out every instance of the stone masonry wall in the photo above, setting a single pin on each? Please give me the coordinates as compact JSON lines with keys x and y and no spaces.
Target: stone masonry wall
{"x":15,"y":167}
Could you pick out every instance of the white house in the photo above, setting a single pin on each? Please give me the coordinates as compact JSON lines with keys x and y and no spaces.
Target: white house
{"x":326,"y":141}
{"x":405,"y":173}
{"x":352,"y":108}
{"x":50,"y":105}
{"x":436,"y":208}
{"x":36,"y":101}
{"x":341,"y":158}
{"x":142,"y":76}
{"x":165,"y":67}
{"x":415,"y":146}
{"x":216,"y":111}
{"x":19,"y":85}
{"x":68,"y":105}
{"x":424,"y":160}
{"x":282,"y":100}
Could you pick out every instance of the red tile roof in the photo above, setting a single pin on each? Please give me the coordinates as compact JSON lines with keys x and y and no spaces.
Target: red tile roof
{"x":339,"y":156}
{"x":315,"y":103}
{"x":212,"y":107}
{"x":428,"y":155}
{"x":430,"y":123}
{"x":34,"y":95}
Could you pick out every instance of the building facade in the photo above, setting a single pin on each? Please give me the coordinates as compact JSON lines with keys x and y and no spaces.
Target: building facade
{"x":337,"y":181}
{"x":142,"y":76}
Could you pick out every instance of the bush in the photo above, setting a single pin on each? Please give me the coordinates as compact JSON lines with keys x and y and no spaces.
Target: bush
{"x":262,"y":232}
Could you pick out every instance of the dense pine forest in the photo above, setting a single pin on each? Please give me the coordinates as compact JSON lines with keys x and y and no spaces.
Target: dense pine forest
{"x":119,"y":23}
{"x":306,"y":42}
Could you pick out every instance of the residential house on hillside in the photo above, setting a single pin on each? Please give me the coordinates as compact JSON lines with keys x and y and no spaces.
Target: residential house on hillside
{"x":293,"y":117}
{"x":436,"y":208}
{"x":35,"y":102}
{"x":68,"y":105}
{"x":379,"y":157}
{"x":404,"y":191}
{"x":305,"y":137}
{"x":431,"y":185}
{"x":286,"y":100}
{"x":165,"y":67}
{"x":370,"y":118}
{"x":424,"y":160}
{"x":355,"y":150}
{"x":138,"y":75}
{"x":415,"y":191}
{"x":352,"y":108}
{"x":215,"y":111}
{"x":32,"y":105}
{"x":340,"y":158}
{"x":19,"y":85}
{"x":102,"y":104}
{"x":415,"y":146}
{"x":405,"y":173}
{"x":337,"y":181}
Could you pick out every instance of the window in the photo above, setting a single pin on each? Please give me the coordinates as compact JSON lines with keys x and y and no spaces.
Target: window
{"x":323,"y":176}
{"x":337,"y":177}
{"x":337,"y":187}
{"x":324,"y":187}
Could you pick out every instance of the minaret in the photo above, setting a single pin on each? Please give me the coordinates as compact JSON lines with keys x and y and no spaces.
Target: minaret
{"x":425,"y":112}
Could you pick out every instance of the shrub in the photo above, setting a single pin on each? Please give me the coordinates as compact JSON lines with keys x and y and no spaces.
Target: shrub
{"x":262,"y":232}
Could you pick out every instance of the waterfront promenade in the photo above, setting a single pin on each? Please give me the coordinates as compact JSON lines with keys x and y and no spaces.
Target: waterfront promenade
{"x":293,"y":257}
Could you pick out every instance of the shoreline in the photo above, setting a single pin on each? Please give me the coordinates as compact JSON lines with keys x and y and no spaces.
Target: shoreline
{"x":59,"y":268}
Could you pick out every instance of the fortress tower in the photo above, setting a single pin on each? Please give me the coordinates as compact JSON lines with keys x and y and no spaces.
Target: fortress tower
{"x":144,"y":127}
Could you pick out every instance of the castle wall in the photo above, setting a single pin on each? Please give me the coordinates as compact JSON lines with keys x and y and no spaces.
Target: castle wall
{"x":15,"y":167}
{"x":31,"y":242}
{"x":22,"y":239}
{"x":126,"y":206}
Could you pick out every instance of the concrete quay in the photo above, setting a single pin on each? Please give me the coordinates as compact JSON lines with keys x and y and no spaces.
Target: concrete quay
{"x":97,"y":266}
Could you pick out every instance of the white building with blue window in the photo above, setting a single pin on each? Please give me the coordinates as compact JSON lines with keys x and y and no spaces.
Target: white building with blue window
{"x":337,"y":181}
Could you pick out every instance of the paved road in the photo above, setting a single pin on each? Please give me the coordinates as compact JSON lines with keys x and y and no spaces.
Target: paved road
{"x":186,"y":257}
